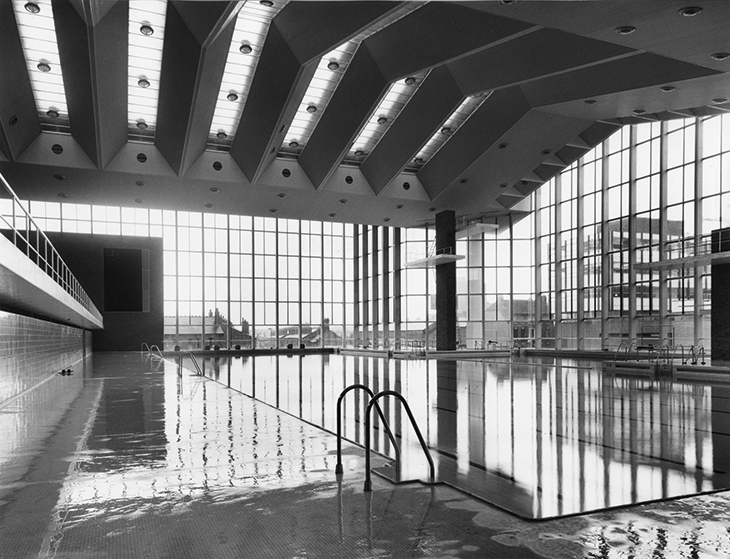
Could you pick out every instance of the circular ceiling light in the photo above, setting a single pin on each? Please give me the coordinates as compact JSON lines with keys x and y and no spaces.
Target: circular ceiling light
{"x":503,"y":185}
{"x":719,"y":100}
{"x":217,"y":165}
{"x":639,"y":111}
{"x":690,"y":11}
{"x":333,"y":66}
{"x":143,"y":83}
{"x":720,"y":56}
{"x":399,"y":207}
{"x":332,"y":215}
{"x":342,"y":201}
{"x":61,"y":194}
{"x":432,"y":209}
{"x":139,"y":200}
{"x":32,"y":7}
{"x":60,"y":177}
{"x":625,"y":29}
{"x":57,"y":149}
{"x":44,"y":66}
{"x":667,"y":88}
{"x":273,"y":210}
{"x":140,"y":183}
{"x":214,"y":189}
{"x":418,"y":160}
{"x":410,"y":80}
{"x":311,"y":109}
{"x":359,"y":152}
{"x":232,"y":96}
{"x":53,"y":113}
{"x":590,"y":101}
{"x":13,"y":120}
{"x":386,"y":219}
{"x":281,"y":195}
{"x":146,"y":29}
{"x":503,"y":146}
{"x":142,"y":125}
{"x":545,"y":152}
{"x":293,"y":144}
{"x":464,"y":180}
{"x":245,"y":48}
{"x":209,"y":206}
{"x":221,"y":135}
{"x":267,"y":3}
{"x":446,"y":130}
{"x":382,"y":120}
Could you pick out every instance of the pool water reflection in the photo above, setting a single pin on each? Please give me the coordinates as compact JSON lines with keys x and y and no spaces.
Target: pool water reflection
{"x":538,"y":438}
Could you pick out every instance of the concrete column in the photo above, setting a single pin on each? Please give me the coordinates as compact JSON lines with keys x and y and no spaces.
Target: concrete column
{"x":446,"y":282}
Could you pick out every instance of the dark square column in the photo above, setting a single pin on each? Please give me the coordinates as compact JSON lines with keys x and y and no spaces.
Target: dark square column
{"x":446,"y":282}
{"x":720,"y":303}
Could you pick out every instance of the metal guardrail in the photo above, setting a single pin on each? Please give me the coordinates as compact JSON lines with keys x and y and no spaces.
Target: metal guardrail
{"x":338,"y":467}
{"x":25,"y":234}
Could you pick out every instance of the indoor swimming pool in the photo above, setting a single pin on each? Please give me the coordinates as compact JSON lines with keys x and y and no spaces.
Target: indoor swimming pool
{"x":539,"y":438}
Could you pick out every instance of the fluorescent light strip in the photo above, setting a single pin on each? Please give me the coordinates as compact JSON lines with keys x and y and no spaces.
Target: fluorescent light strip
{"x":251,"y":27}
{"x":38,"y":37}
{"x":389,"y":108}
{"x":145,"y":61}
{"x":457,"y":118}
{"x":325,"y":81}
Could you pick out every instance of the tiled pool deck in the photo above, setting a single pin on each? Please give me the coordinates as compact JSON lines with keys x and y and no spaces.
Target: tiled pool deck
{"x":123,"y":458}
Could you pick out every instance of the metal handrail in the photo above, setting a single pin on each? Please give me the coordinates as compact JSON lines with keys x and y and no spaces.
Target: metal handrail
{"x":153,"y":348}
{"x":30,"y":239}
{"x":338,"y":467}
{"x":615,"y":357}
{"x":368,"y":481}
{"x":192,"y":358}
{"x":141,"y":348}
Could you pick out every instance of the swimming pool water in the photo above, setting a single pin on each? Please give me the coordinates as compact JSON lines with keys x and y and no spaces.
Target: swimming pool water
{"x":540,"y":438}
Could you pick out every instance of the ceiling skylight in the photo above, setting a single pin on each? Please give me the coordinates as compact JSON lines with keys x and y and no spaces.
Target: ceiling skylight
{"x":325,"y":81}
{"x":38,"y":37}
{"x":447,"y":129}
{"x":243,"y":56}
{"x":390,"y":106}
{"x":146,"y":36}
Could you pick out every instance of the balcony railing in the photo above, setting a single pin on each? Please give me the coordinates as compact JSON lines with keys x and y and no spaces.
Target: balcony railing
{"x":22,"y":230}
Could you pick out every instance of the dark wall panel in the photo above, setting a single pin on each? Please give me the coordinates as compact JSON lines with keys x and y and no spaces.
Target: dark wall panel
{"x":141,"y":285}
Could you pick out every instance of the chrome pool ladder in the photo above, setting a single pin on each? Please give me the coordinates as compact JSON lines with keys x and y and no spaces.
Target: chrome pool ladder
{"x":338,"y":467}
{"x":192,"y":358}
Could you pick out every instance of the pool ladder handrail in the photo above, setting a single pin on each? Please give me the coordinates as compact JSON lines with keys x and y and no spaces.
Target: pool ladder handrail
{"x":615,"y":356}
{"x":141,"y":348}
{"x":373,"y":401}
{"x":338,"y":467}
{"x":153,"y":348}
{"x":695,"y":353}
{"x":192,"y":358}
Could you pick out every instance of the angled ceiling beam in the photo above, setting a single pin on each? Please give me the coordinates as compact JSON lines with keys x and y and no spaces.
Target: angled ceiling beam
{"x":91,"y":11}
{"x":94,"y":59}
{"x":494,"y":117}
{"x":298,"y":37}
{"x":355,"y":98}
{"x":19,"y":123}
{"x":197,"y":39}
{"x":431,"y":36}
{"x":434,"y":101}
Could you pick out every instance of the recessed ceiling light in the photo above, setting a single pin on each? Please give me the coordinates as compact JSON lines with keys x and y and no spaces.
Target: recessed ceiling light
{"x":502,"y":146}
{"x":590,"y":101}
{"x":232,"y":96}
{"x":545,"y":152}
{"x":464,"y":180}
{"x":503,"y":185}
{"x":139,"y":200}
{"x":143,"y":82}
{"x":719,"y":100}
{"x":32,"y":7}
{"x":720,"y":56}
{"x":267,"y":3}
{"x":406,"y":186}
{"x":386,"y":219}
{"x":209,"y":206}
{"x":507,"y":2}
{"x":221,"y":135}
{"x":293,"y":144}
{"x":332,"y":214}
{"x":690,"y":11}
{"x":667,"y":88}
{"x":311,"y":109}
{"x":281,"y":195}
{"x":399,"y":207}
{"x":61,"y":194}
{"x":53,"y":113}
{"x":13,"y":120}
{"x":359,"y":152}
{"x":217,"y":165}
{"x":214,"y":189}
{"x":477,"y":95}
{"x":446,"y":130}
{"x":410,"y":80}
{"x":44,"y":66}
{"x":286,"y":173}
{"x":140,"y":183}
{"x":431,"y":209}
{"x":245,"y":48}
{"x":273,"y":210}
{"x":142,"y":125}
{"x":57,"y":149}
{"x":146,"y":30}
{"x":342,"y":201}
{"x":333,"y":65}
{"x":625,"y":30}
{"x":418,"y":160}
{"x":639,"y":111}
{"x":382,"y":120}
